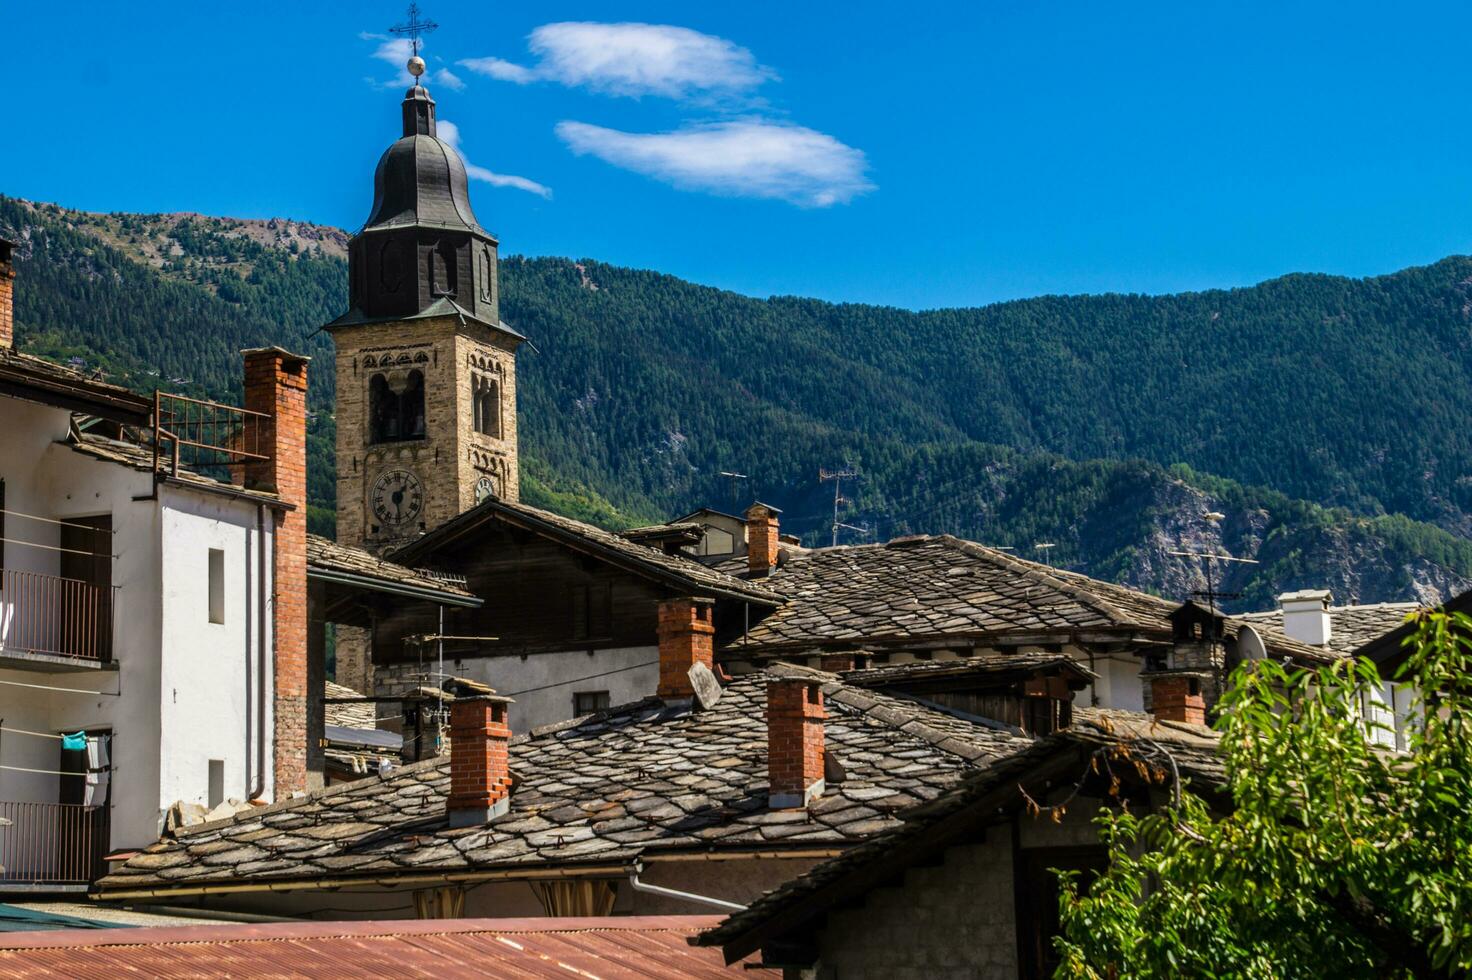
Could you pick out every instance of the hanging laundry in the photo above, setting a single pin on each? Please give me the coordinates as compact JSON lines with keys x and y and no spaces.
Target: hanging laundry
{"x":95,"y":790}
{"x":97,"y":752}
{"x":74,"y":743}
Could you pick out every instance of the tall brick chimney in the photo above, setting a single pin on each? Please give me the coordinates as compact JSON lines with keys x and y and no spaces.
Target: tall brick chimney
{"x":761,"y":538}
{"x":686,"y":638}
{"x":276,"y":386}
{"x":480,"y":761}
{"x":1176,"y":696}
{"x":795,"y":718}
{"x":7,"y":295}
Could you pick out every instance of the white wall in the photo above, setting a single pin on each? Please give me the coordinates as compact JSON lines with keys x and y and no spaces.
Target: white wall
{"x":162,"y":746}
{"x":211,"y":682}
{"x":543,"y":683}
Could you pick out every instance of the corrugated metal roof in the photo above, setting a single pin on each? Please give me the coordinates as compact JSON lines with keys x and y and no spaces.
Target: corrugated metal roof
{"x":613,"y":947}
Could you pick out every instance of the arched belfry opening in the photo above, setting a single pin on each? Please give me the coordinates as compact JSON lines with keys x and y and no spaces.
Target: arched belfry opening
{"x":396,"y":406}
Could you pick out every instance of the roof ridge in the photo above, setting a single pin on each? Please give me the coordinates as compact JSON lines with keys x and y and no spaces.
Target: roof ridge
{"x":1034,"y":571}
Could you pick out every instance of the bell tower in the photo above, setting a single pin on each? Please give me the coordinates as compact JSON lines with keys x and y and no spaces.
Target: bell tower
{"x":426,"y":370}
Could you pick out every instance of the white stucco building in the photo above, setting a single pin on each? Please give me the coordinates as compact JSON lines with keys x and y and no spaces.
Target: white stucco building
{"x":138,"y":627}
{"x":134,"y":610}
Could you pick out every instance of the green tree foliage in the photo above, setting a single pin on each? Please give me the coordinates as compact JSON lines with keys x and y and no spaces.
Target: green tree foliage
{"x":1336,"y":858}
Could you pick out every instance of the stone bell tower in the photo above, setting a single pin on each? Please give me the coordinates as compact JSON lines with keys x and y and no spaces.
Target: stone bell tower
{"x":426,"y":370}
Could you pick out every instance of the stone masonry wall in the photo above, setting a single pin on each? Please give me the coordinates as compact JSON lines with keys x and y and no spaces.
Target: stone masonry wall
{"x":452,"y":456}
{"x":957,"y":919}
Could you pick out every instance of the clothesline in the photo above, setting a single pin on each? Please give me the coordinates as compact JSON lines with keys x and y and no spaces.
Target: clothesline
{"x":52,"y":520}
{"x":58,"y":772}
{"x":22,"y":731}
{"x":49,"y":547}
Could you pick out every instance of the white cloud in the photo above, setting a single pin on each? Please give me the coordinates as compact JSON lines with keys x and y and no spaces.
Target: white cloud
{"x":500,"y":70}
{"x":395,"y":50}
{"x":450,"y":133}
{"x":449,"y":80}
{"x":741,"y":158}
{"x":634,"y":60}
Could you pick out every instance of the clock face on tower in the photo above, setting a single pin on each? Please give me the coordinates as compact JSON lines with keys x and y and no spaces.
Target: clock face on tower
{"x":397,"y":497}
{"x":483,"y":489}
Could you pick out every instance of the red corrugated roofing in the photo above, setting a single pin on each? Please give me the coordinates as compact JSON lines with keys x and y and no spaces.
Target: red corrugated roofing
{"x":614,"y":947}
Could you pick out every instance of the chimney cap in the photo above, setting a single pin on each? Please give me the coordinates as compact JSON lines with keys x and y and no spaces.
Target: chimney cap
{"x":491,"y":698}
{"x":1306,"y":595}
{"x":273,"y":349}
{"x":759,"y":509}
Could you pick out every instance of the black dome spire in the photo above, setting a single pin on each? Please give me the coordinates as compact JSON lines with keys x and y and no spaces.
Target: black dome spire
{"x":421,"y":252}
{"x":421,"y":179}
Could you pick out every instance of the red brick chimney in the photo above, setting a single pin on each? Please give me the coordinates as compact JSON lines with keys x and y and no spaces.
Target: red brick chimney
{"x":480,"y":762}
{"x":1177,"y":697}
{"x":686,"y":638}
{"x":761,"y":538}
{"x":835,"y":663}
{"x":7,"y":295}
{"x":276,"y":386}
{"x":794,"y":741}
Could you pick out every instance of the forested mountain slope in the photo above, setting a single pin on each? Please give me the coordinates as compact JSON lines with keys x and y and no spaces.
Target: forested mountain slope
{"x":1080,"y":421}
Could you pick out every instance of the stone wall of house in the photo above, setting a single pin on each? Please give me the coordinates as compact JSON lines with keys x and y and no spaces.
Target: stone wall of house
{"x":955,"y":919}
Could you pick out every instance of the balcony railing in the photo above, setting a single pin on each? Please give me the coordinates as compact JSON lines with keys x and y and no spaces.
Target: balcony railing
{"x":51,"y":843}
{"x":54,"y":616}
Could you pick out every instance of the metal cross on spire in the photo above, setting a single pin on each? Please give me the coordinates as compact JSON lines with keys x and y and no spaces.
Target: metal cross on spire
{"x":414,"y":28}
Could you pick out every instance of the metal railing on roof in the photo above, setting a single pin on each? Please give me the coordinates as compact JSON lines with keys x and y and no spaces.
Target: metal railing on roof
{"x":205,"y":435}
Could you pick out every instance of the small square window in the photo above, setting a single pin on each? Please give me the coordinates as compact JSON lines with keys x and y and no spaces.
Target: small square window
{"x":587,"y":702}
{"x":217,"y":782}
{"x":217,"y":585}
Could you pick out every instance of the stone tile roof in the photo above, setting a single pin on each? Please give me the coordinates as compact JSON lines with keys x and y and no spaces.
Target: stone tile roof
{"x":138,"y":457}
{"x":360,"y":714}
{"x":987,"y":665}
{"x":1350,"y":627}
{"x":937,"y":587}
{"x":995,"y":786}
{"x":38,"y":379}
{"x":678,"y":570}
{"x":327,"y":555}
{"x":599,"y":790}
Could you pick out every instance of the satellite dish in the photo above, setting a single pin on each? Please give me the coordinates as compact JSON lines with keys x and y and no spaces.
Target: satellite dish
{"x":1250,"y":645}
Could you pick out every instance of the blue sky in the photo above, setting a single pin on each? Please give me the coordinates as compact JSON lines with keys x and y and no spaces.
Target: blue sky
{"x":917,"y":154}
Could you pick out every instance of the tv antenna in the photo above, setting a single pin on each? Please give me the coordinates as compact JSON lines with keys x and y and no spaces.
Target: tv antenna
{"x":1208,"y":559}
{"x":735,"y":479}
{"x":1045,"y":547}
{"x":838,"y":476}
{"x":414,"y":28}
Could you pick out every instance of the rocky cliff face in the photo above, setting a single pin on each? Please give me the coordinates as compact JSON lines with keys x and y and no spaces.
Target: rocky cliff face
{"x":1350,"y":559}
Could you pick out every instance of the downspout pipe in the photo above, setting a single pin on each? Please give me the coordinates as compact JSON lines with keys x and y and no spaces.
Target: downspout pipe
{"x":262,"y":593}
{"x":641,"y":886}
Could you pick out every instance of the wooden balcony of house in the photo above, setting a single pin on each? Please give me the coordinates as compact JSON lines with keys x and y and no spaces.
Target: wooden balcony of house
{"x":51,"y":847}
{"x":52,"y":623}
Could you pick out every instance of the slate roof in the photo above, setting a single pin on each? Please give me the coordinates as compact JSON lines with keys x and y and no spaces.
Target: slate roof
{"x":357,"y":714}
{"x":601,"y":790}
{"x":621,"y":948}
{"x":937,"y":587}
{"x":138,"y":457}
{"x":325,"y":555}
{"x":677,"y":570}
{"x":987,"y":665}
{"x":37,"y":379}
{"x":994,"y":787}
{"x":1350,"y":627}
